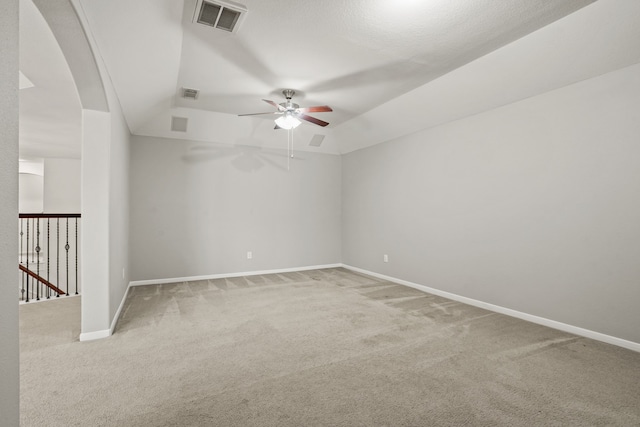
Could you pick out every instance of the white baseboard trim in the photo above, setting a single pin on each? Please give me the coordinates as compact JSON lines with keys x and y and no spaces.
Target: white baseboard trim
{"x":90,"y":336}
{"x":509,"y":312}
{"x":117,"y":315}
{"x":226,"y":275}
{"x":95,"y":335}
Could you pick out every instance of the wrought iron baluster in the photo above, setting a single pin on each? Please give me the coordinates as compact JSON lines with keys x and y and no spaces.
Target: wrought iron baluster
{"x":48,"y":254}
{"x":37,"y":249}
{"x":58,"y":255}
{"x":66,"y":248}
{"x":76,"y":256}
{"x":27,"y":300}
{"x":21,"y":238}
{"x":33,"y":240}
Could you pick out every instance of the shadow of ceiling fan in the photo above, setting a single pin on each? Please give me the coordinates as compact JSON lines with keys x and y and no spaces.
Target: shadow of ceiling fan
{"x":291,"y":113}
{"x":246,"y":158}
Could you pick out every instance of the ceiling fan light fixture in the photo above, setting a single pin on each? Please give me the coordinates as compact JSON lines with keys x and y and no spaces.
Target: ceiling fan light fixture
{"x":287,"y":121}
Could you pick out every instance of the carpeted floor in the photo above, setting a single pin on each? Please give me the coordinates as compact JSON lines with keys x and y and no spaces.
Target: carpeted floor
{"x":318,"y":348}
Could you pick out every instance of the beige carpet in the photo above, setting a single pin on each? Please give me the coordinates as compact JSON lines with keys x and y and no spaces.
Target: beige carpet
{"x":318,"y":348}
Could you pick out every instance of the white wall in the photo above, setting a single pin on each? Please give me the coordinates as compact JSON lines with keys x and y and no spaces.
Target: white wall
{"x":198,"y":208}
{"x":9,"y":350}
{"x":31,"y":193}
{"x":50,"y":185}
{"x":94,"y":269}
{"x":61,"y":185}
{"x":533,"y":206}
{"x":118,"y":205}
{"x":31,"y":186}
{"x":105,"y":225}
{"x":105,"y":211}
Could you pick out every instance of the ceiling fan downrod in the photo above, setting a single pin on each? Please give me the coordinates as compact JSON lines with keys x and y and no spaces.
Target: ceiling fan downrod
{"x":288,"y":104}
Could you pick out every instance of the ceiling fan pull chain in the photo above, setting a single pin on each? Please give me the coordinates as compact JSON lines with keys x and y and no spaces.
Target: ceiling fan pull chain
{"x":288,"y":149}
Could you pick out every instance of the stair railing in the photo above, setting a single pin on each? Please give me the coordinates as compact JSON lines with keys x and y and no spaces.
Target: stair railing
{"x":49,"y":255}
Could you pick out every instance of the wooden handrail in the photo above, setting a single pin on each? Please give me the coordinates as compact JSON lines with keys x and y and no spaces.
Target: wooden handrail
{"x":41,"y":280}
{"x":49,"y":215}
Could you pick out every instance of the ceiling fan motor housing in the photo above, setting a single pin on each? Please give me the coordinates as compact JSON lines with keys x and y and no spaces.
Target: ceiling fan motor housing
{"x":289,"y":105}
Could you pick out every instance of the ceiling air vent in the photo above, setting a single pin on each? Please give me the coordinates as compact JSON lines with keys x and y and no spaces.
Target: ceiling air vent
{"x":316,"y":141}
{"x":190,"y":93}
{"x":179,"y":124}
{"x":219,"y":14}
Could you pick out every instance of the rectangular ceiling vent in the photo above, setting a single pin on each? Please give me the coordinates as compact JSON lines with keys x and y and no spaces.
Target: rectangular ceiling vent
{"x":179,"y":124}
{"x":222,"y":15}
{"x":316,"y":141}
{"x":190,"y":93}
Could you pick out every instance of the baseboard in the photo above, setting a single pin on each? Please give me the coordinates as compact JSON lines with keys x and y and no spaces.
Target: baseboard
{"x":90,"y":336}
{"x":95,"y":335}
{"x":224,"y":276}
{"x":117,"y":315}
{"x":507,"y":311}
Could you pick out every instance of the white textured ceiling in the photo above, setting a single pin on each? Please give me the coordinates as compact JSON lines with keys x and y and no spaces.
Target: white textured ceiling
{"x":353,"y":56}
{"x":386,"y":68}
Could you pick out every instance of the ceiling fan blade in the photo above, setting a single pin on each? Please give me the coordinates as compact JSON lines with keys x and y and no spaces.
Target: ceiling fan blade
{"x":316,"y":109}
{"x":257,"y":114}
{"x":279,"y":107}
{"x":312,"y":120}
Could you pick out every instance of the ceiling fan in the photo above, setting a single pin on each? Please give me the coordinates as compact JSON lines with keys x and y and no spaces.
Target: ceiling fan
{"x":291,"y":113}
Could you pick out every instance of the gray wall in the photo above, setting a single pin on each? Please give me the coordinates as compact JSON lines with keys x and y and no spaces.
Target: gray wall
{"x":198,"y":208}
{"x":118,"y":205}
{"x":9,"y":356}
{"x":533,"y":206}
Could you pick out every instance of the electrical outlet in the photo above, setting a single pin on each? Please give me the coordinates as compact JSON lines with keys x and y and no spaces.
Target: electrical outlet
{"x":249,"y":255}
{"x":386,"y":258}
